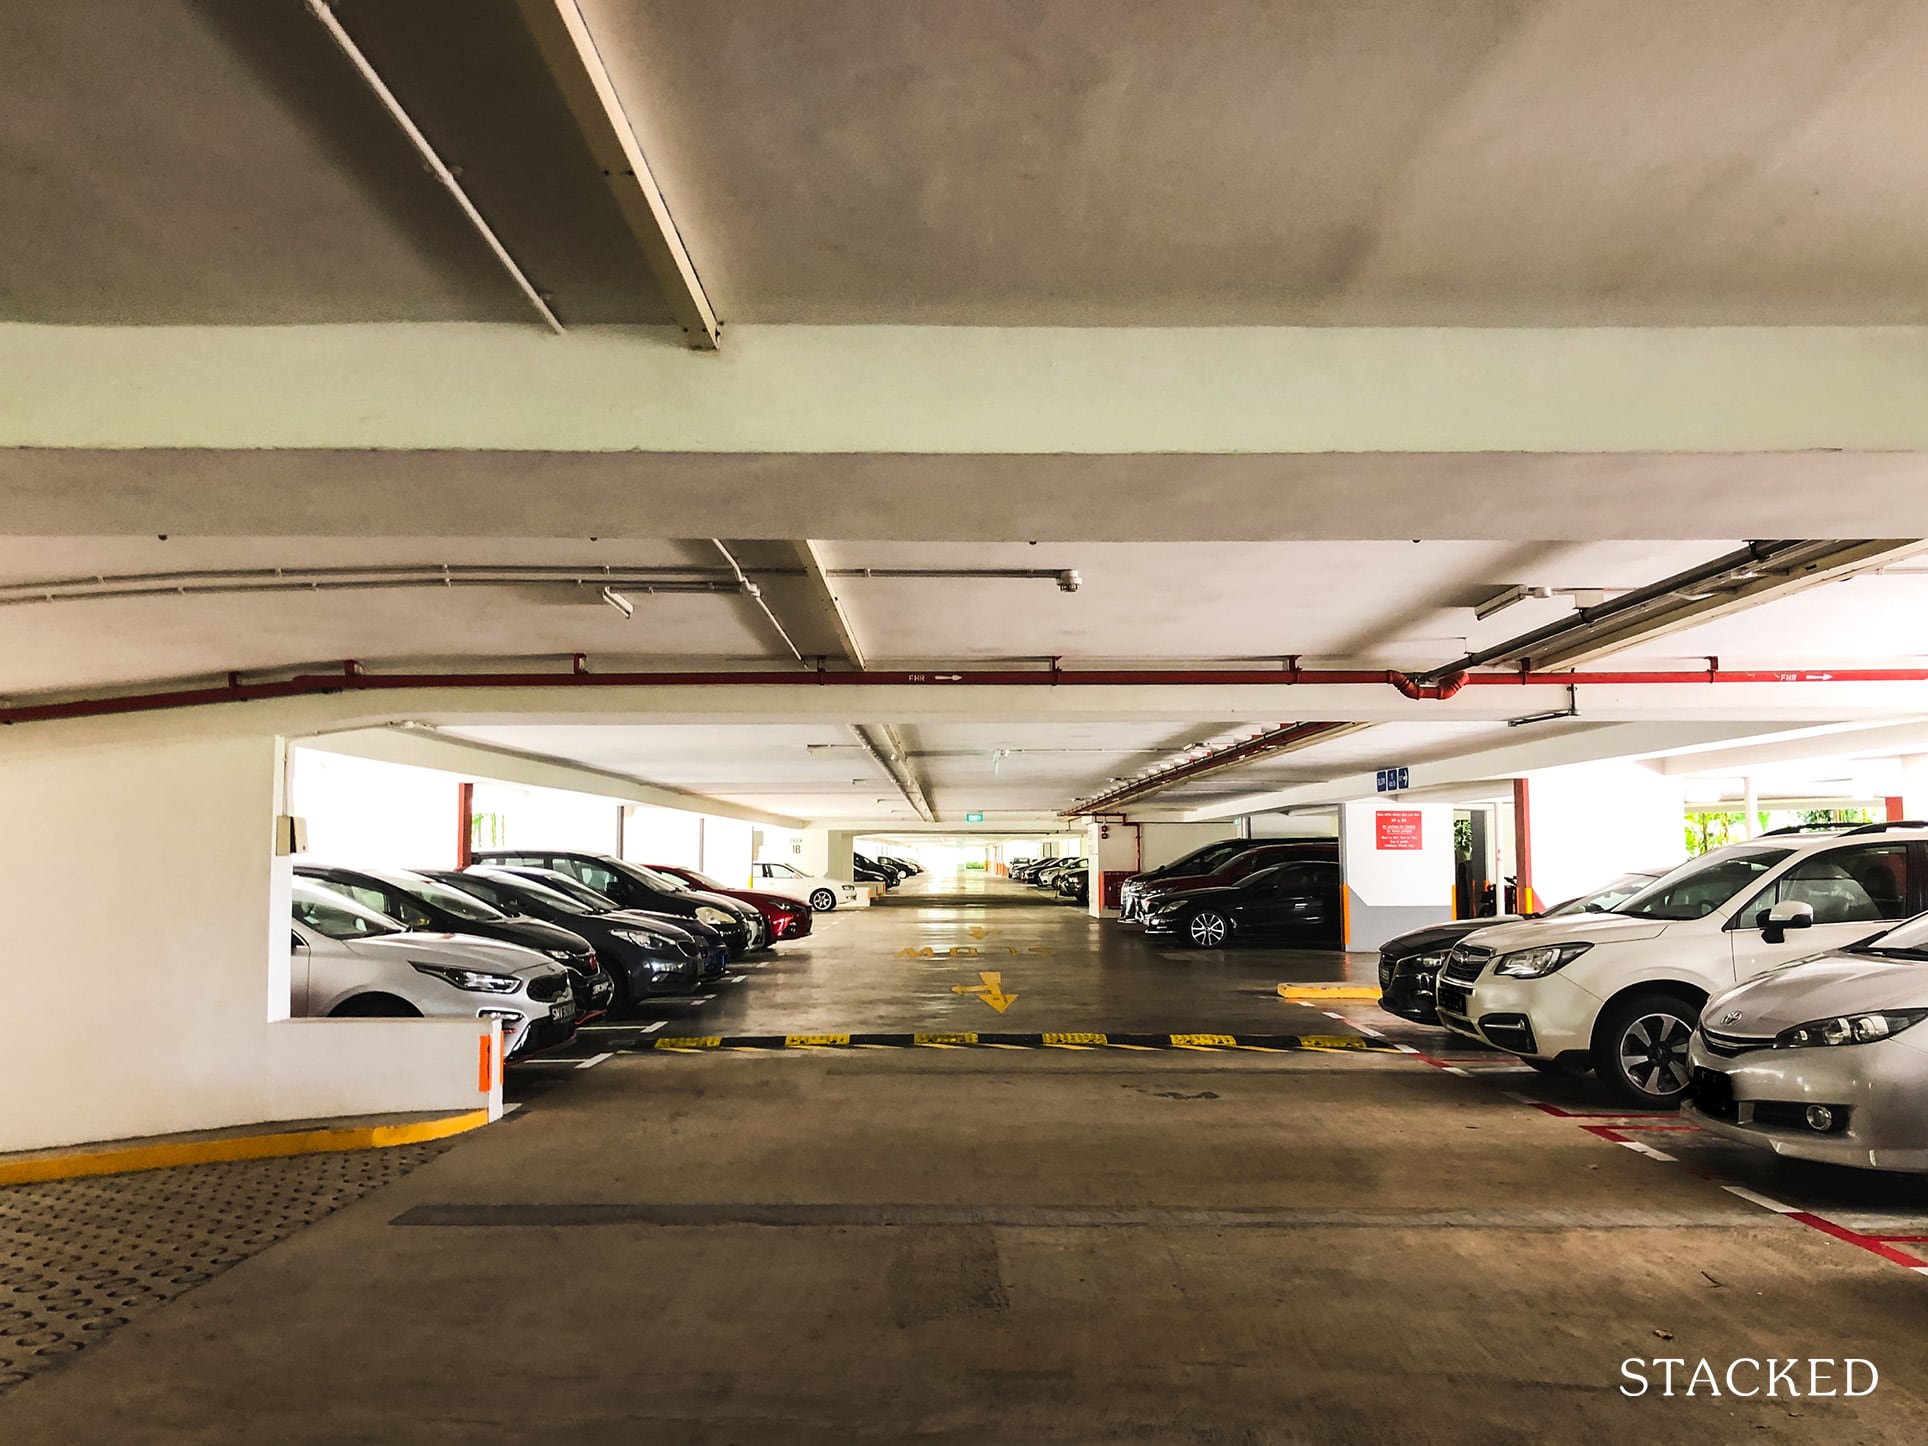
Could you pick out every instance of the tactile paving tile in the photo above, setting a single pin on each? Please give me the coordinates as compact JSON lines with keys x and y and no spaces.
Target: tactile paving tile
{"x":80,"y":1258}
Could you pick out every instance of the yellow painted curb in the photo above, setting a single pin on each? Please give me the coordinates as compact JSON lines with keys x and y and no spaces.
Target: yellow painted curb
{"x":160,"y":1156}
{"x":1327,"y":991}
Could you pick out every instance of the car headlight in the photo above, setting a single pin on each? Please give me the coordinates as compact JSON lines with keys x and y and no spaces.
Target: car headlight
{"x":708,"y":915}
{"x":1538,"y":963}
{"x":1849,"y":1028}
{"x":1423,"y":963}
{"x":478,"y":980}
{"x":642,"y":939}
{"x":664,"y":966}
{"x":561,"y":956}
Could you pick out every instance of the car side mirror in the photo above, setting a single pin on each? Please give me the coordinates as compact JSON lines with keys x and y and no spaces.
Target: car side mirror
{"x":1788,"y":914}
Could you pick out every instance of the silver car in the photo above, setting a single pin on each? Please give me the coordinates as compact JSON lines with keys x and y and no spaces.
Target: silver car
{"x":1822,"y":1060}
{"x":351,"y":962}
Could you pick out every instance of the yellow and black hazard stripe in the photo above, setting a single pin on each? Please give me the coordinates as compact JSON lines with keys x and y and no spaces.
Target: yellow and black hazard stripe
{"x":1273,"y":1043}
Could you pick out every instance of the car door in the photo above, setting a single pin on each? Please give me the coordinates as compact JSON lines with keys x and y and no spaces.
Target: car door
{"x":1854,"y":891}
{"x":1265,"y":902}
{"x":300,"y":975}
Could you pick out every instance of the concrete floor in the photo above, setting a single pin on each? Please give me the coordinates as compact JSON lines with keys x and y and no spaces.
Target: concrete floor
{"x":988,"y":1246}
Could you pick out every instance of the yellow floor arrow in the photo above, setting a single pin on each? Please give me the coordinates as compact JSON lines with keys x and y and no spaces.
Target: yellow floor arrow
{"x":991,"y":991}
{"x":978,"y":931}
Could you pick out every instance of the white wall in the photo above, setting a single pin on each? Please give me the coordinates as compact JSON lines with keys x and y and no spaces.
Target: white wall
{"x":1595,"y":820}
{"x":727,"y":851}
{"x":1161,"y":843}
{"x":662,"y":836}
{"x":140,"y":886}
{"x":1314,"y":823}
{"x":374,"y":814}
{"x":546,"y":818}
{"x":1391,"y":890}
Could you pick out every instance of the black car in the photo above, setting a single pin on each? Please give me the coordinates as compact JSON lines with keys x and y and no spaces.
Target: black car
{"x":1073,"y":885}
{"x":705,"y":945}
{"x":1298,"y":899}
{"x":865,"y":872}
{"x":1208,"y":859}
{"x":418,"y":902}
{"x":643,"y":958}
{"x":635,"y":887}
{"x":1410,"y":964}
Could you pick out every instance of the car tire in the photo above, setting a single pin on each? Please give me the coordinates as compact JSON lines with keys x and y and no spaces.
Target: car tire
{"x":375,"y":1006}
{"x":1558,"y":1069}
{"x":823,"y":901}
{"x":1208,"y":929}
{"x":1640,"y":1048}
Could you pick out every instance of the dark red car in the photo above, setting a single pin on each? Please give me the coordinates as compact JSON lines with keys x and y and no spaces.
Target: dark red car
{"x":1261,"y":855}
{"x":788,"y":918}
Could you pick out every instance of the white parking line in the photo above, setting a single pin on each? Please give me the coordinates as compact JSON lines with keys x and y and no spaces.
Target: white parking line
{"x":1760,"y":1200}
{"x":1647,"y":1150}
{"x":652,"y":1028}
{"x":593,"y":1061}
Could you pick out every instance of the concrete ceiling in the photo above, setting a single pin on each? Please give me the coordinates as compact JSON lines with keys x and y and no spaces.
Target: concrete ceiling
{"x":1183,"y":162}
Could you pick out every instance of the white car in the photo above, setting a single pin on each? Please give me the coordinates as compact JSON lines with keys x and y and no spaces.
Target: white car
{"x":820,"y":894}
{"x":1620,"y":992}
{"x":351,"y":962}
{"x":1824,"y":1060}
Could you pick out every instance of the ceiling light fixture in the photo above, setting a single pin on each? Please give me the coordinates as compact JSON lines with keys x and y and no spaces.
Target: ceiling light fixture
{"x":1500,"y":601}
{"x":620,"y":603}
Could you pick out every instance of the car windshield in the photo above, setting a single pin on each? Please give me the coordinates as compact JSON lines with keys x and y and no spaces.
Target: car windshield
{"x":782,"y":871}
{"x":662,"y":882}
{"x":1702,"y":885}
{"x":510,"y":894}
{"x":448,"y":900}
{"x":1602,"y":901}
{"x":701,"y":881}
{"x":1909,"y":940}
{"x":330,"y":914}
{"x":1207,"y":859}
{"x":573,"y":888}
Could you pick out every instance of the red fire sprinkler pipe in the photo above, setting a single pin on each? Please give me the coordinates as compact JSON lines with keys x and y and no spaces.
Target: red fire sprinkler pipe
{"x":1522,"y":847}
{"x":464,"y":824}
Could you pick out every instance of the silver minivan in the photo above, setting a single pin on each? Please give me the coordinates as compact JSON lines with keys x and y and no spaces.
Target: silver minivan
{"x":351,"y":962}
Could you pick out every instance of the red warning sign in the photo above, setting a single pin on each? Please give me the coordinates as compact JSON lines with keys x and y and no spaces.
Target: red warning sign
{"x":1399,"y":829}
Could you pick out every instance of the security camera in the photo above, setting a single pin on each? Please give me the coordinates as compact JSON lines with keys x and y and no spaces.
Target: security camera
{"x":1069,"y":581}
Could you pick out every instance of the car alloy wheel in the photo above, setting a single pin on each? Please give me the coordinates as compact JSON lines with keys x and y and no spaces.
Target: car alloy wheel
{"x":823,"y":901}
{"x":1207,"y":929}
{"x":1640,"y":1048}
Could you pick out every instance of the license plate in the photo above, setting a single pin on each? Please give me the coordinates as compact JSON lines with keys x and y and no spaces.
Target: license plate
{"x":561,"y":1011}
{"x":1712,"y":1090}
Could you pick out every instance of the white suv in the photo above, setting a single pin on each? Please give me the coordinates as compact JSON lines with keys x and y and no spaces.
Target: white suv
{"x":1620,"y":992}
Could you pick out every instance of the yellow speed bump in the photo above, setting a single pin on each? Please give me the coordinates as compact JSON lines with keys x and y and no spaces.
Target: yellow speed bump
{"x":1327,"y":991}
{"x":162,"y":1154}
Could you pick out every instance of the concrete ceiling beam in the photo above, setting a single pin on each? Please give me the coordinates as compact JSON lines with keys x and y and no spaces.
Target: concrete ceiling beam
{"x":1033,"y":391}
{"x":569,"y":51}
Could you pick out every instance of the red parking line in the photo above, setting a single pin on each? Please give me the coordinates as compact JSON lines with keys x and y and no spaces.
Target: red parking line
{"x":1561,"y":1114}
{"x":1870,"y":1243}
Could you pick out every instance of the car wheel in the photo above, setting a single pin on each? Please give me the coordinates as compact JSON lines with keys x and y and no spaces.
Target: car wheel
{"x":376,"y":1006}
{"x":1207,"y":928}
{"x":1640,"y":1048}
{"x":823,"y":901}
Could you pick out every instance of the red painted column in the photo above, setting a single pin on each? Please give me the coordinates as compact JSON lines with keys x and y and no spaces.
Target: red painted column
{"x":464,"y":824}
{"x":1897,"y":810}
{"x":1522,"y":847}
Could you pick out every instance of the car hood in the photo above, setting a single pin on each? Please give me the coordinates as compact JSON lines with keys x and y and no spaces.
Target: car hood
{"x":733,"y":907}
{"x":673,"y":926}
{"x":1223,"y":894}
{"x":464,"y":951}
{"x":1574,"y":928}
{"x":1433,"y":936}
{"x":1816,"y":989}
{"x":534,"y":934}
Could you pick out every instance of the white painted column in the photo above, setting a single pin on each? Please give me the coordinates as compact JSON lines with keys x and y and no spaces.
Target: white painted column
{"x":1596,"y":820}
{"x":147,"y":881}
{"x":1914,"y":786}
{"x":1750,"y":807}
{"x":1398,"y":863}
{"x":1110,"y":848}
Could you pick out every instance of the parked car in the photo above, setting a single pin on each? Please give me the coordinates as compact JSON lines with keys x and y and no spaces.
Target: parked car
{"x":1196,"y":864}
{"x":349,"y":962}
{"x":1300,"y":899}
{"x":784,"y":916}
{"x":1620,"y":992}
{"x":635,"y":887}
{"x":820,"y":893}
{"x":1230,"y":870}
{"x":868,"y":873}
{"x":1822,"y":1060}
{"x":909,"y":866}
{"x":641,"y":958}
{"x":891,"y":874}
{"x":698,"y":941}
{"x":1409,"y":965}
{"x":418,"y":902}
{"x":1073,"y":886}
{"x":1047,"y":876}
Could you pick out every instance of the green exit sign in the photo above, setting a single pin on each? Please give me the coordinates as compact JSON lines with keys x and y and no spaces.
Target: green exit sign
{"x":974,"y":818}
